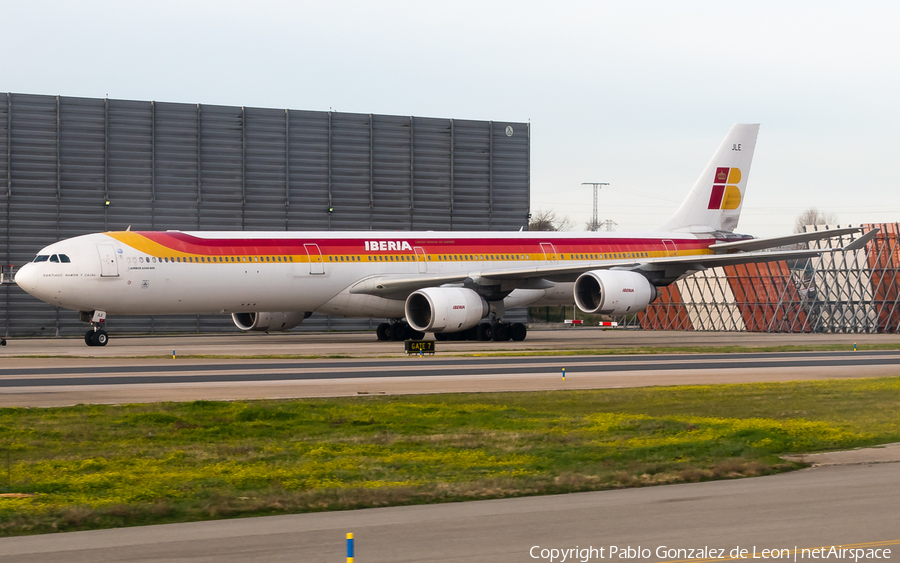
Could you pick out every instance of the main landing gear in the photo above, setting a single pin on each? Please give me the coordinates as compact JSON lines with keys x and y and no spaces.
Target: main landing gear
{"x":496,"y":331}
{"x":95,"y":336}
{"x":398,"y":330}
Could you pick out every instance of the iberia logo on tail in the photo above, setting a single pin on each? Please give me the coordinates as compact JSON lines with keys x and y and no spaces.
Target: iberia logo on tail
{"x":725,"y":193}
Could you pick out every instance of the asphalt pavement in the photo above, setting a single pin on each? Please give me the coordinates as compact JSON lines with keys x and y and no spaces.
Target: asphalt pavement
{"x":847,"y":505}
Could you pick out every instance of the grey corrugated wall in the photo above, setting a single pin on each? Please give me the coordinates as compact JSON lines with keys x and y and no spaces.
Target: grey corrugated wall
{"x":201,"y":167}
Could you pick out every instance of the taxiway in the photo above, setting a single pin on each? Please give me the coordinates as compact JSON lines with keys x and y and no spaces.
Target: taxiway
{"x":135,"y":370}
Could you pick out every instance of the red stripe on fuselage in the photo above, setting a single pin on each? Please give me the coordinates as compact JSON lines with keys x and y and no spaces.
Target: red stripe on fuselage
{"x":190,"y":244}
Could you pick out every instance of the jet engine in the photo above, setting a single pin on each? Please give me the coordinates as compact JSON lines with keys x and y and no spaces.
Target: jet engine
{"x":268,"y":322}
{"x":445,"y":309}
{"x":613,"y":292}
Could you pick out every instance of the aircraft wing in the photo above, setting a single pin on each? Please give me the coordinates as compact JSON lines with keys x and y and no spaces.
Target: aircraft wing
{"x":399,"y":287}
{"x":773,"y":242}
{"x":697,"y":262}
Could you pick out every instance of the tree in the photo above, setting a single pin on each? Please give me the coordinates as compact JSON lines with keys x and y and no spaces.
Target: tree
{"x":547,"y":220}
{"x":813,"y":216}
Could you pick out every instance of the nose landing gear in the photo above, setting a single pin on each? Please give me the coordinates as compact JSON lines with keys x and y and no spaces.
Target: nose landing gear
{"x":95,"y":336}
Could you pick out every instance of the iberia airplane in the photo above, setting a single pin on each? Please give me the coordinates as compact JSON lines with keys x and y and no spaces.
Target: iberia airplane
{"x":453,"y":284}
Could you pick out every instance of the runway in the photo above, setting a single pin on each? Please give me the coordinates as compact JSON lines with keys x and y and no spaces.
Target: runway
{"x":839,"y":505}
{"x":63,"y":371}
{"x":364,"y":344}
{"x":38,"y":381}
{"x":428,"y":366}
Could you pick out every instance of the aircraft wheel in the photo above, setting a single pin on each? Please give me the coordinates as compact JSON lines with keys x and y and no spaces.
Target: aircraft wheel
{"x":484,"y":332}
{"x":383,"y":331}
{"x":440,"y":336}
{"x":414,"y":334}
{"x":89,"y":337}
{"x":2,"y":342}
{"x":100,"y":338}
{"x":500,"y":332}
{"x":518,"y":331}
{"x":398,"y":331}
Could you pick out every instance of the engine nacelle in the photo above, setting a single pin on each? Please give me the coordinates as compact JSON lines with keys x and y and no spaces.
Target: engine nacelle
{"x":613,"y":292}
{"x":445,"y":309}
{"x":268,"y":322}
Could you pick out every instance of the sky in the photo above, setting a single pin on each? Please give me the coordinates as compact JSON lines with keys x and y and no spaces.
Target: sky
{"x":638,"y":94}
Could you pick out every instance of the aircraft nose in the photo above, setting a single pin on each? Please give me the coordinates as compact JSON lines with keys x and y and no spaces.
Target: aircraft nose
{"x":27,"y":278}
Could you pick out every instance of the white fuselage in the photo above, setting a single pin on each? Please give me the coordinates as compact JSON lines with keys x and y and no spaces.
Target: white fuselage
{"x":217,"y":272}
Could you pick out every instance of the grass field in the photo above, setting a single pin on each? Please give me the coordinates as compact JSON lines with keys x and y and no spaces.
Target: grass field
{"x":104,"y":466}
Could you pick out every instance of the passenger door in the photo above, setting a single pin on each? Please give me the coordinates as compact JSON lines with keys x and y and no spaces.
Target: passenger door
{"x":109,"y":263}
{"x":316,"y":264}
{"x":549,"y":252}
{"x":420,"y":258}
{"x":671,"y":249}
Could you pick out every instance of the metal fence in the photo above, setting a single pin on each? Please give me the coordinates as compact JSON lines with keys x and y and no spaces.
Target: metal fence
{"x":843,"y":292}
{"x":77,"y":165}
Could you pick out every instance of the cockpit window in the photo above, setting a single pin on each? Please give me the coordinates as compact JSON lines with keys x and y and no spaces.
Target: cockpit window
{"x":55,"y":258}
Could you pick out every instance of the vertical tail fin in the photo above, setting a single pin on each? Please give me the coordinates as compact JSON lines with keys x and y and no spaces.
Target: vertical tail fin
{"x":714,"y":203}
